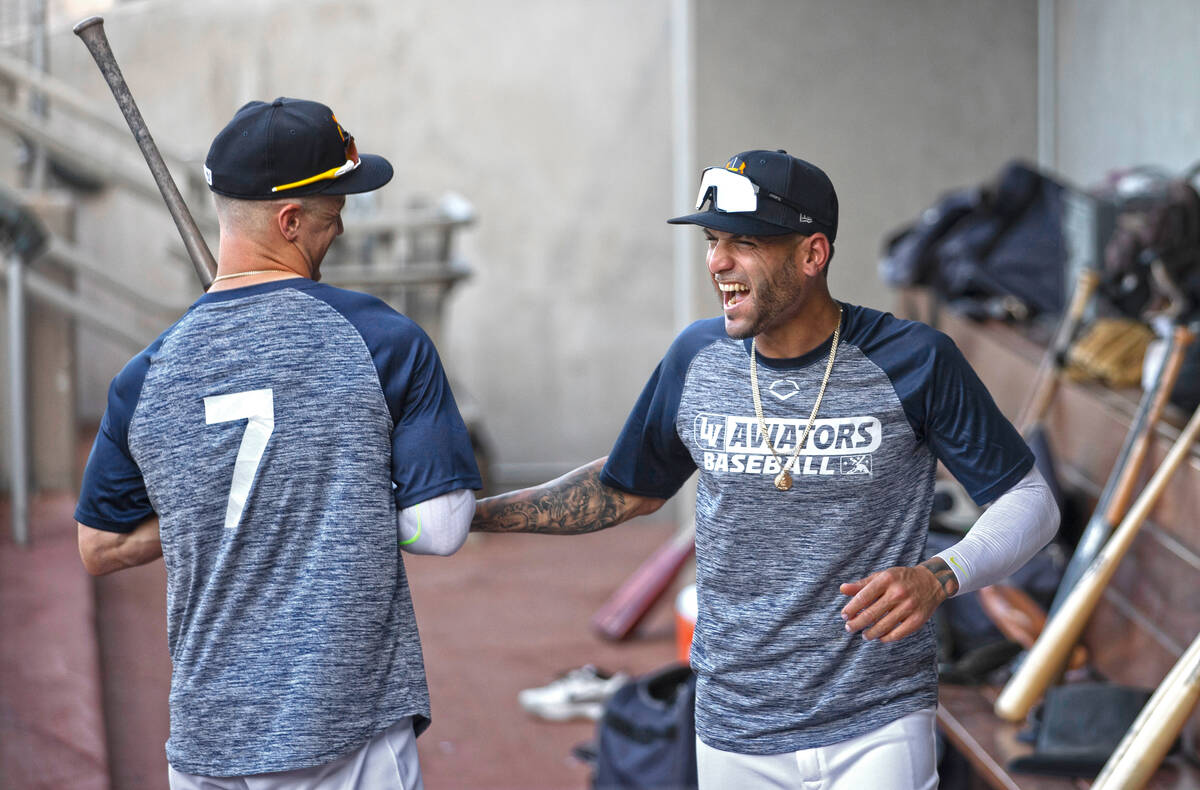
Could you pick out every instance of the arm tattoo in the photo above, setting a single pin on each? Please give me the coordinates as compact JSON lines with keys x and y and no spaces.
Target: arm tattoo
{"x":575,"y":503}
{"x":944,"y":575}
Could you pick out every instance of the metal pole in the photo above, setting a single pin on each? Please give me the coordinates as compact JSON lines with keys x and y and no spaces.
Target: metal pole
{"x":37,"y":180}
{"x":684,"y":184}
{"x":683,"y":166}
{"x":1047,"y":82}
{"x":18,"y":371}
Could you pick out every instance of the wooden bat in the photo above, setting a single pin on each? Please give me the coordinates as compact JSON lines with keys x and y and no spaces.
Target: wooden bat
{"x":1045,"y":661}
{"x":1122,"y":480}
{"x":1150,"y":736}
{"x":1049,"y":371}
{"x":91,"y":31}
{"x":634,"y":599}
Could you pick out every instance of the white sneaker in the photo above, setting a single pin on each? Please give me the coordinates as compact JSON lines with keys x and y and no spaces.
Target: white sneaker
{"x":580,"y":693}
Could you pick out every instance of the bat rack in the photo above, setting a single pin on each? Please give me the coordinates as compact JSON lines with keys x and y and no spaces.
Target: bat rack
{"x":1146,"y":617}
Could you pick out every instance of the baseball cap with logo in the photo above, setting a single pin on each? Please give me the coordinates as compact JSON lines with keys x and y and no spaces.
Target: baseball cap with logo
{"x":289,"y":148}
{"x":766,"y":193}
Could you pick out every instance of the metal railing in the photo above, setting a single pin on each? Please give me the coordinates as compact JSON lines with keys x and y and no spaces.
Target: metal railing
{"x":104,"y":131}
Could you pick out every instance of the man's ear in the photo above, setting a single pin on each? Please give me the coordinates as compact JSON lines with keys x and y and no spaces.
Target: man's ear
{"x":816,"y":254}
{"x":288,"y":219}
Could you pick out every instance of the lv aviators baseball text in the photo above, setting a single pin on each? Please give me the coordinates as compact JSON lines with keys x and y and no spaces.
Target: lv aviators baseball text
{"x":838,"y":446}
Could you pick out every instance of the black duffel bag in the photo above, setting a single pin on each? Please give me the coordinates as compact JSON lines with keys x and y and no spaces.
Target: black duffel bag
{"x":647,"y":736}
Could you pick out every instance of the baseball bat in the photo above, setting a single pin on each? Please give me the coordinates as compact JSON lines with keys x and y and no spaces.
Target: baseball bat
{"x":1049,"y":654}
{"x":628,"y":606}
{"x":1114,"y":500}
{"x":1055,"y":359}
{"x":1150,"y":736}
{"x":91,"y":31}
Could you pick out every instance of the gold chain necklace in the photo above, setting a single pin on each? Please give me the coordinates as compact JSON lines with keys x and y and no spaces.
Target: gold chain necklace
{"x":783,"y":480}
{"x":247,"y":274}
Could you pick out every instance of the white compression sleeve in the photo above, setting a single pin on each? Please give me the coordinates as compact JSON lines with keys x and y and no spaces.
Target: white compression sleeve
{"x":1016,"y":526}
{"x":437,"y":526}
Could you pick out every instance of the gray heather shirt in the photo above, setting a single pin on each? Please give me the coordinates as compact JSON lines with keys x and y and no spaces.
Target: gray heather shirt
{"x":275,"y":430}
{"x":777,"y":670}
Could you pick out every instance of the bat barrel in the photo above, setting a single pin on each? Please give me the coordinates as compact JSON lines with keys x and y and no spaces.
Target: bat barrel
{"x":1150,"y":736}
{"x":91,"y":32}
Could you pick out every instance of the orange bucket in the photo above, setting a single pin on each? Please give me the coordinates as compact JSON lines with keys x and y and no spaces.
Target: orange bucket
{"x":685,"y":621}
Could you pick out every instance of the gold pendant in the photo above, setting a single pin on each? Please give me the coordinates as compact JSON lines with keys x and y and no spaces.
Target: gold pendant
{"x":783,"y":481}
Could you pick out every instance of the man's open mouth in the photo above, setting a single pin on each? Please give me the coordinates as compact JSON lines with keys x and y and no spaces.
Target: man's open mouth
{"x":733,"y":293}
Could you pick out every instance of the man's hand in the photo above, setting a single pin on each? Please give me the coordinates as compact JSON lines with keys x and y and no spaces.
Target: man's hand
{"x":895,"y":603}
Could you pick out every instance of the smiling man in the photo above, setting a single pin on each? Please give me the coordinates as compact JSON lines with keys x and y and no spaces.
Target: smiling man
{"x":816,"y":426}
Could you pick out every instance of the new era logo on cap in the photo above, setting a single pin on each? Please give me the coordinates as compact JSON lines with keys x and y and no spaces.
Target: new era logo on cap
{"x":289,"y":148}
{"x":772,"y":194}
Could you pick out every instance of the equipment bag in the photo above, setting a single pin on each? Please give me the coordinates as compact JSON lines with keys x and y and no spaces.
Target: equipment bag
{"x":908,"y":257}
{"x":1161,"y":229}
{"x":1153,"y":258}
{"x":647,"y":736}
{"x":997,"y":248}
{"x":1012,"y":247}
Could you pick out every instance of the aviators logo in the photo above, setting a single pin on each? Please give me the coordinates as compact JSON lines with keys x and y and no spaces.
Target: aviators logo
{"x":836,"y":446}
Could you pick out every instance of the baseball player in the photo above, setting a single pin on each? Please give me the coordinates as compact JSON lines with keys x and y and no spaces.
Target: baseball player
{"x":816,"y":426}
{"x":278,"y":446}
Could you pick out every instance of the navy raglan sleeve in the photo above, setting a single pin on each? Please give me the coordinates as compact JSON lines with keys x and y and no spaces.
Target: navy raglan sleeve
{"x":649,"y":459}
{"x":113,"y":495}
{"x":967,"y":431}
{"x":431,"y":448}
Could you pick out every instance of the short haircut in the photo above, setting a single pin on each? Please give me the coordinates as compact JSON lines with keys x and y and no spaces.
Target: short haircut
{"x":246,"y":216}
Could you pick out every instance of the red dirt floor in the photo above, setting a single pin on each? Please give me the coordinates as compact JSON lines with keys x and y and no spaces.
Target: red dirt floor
{"x":51,"y":728}
{"x":505,"y":613}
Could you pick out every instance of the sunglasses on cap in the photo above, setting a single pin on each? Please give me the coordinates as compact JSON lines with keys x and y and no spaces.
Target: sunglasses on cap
{"x":351,"y":164}
{"x":734,"y":193}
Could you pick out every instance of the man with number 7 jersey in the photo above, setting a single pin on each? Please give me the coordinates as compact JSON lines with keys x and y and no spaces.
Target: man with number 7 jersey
{"x":278,"y":446}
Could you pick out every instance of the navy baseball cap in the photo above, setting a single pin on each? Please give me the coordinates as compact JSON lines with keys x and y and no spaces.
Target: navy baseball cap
{"x":766,"y":193}
{"x":289,"y":148}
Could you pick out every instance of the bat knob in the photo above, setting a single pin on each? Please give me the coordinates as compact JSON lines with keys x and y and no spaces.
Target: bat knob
{"x":91,"y":21}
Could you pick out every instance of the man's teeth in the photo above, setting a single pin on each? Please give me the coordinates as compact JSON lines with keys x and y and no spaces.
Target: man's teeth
{"x":733,"y":293}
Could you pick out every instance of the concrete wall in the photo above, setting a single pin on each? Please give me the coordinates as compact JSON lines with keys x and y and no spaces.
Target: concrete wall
{"x":897,"y":102}
{"x":1128,"y":85}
